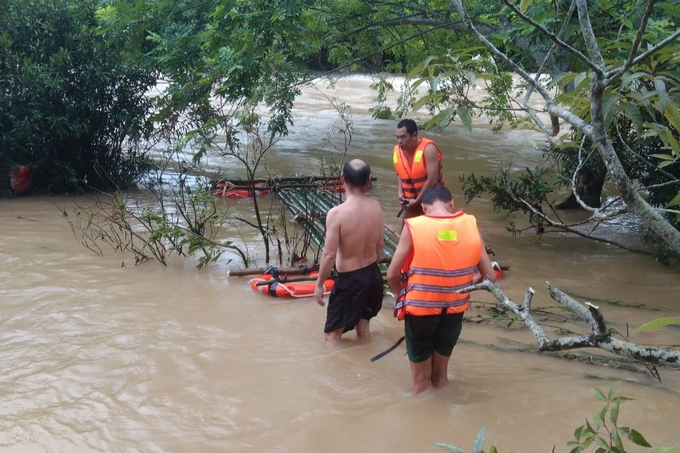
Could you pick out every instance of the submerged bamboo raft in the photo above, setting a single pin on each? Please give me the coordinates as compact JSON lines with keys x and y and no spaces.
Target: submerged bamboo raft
{"x":241,"y":188}
{"x":309,"y":208}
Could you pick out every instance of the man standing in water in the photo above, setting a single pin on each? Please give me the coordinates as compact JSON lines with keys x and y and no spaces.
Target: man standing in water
{"x":354,"y":243}
{"x":418,"y":163}
{"x":438,"y":253}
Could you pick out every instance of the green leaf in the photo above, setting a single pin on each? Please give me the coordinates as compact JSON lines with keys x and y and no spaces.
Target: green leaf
{"x":524,"y":5}
{"x":441,"y":119}
{"x":633,"y":113}
{"x":422,"y":101}
{"x":602,"y":443}
{"x":614,"y":414}
{"x":658,"y":323}
{"x":616,"y":440}
{"x":450,"y":448}
{"x":634,"y":437}
{"x":664,"y":449}
{"x":563,"y":79}
{"x":465,"y":117}
{"x":674,"y":202}
{"x":420,"y":67}
{"x":613,"y":389}
{"x":599,"y":395}
{"x":660,"y":86}
{"x":580,"y":432}
{"x":664,"y":157}
{"x":598,"y":419}
{"x":478,"y":443}
{"x":673,"y":143}
{"x":610,"y":99}
{"x":672,"y":114}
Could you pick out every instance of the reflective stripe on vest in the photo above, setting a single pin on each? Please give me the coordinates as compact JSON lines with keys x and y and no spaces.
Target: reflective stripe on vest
{"x":446,"y":251}
{"x":413,"y":176}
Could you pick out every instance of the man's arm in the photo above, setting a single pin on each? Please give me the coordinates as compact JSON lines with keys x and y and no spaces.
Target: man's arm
{"x":400,"y":254}
{"x":400,"y":191}
{"x":330,"y":249}
{"x":485,"y":267}
{"x":431,"y":157}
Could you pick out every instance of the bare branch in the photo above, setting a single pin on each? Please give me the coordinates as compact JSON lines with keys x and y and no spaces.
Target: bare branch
{"x":600,"y":337}
{"x":555,"y":38}
{"x":589,"y":37}
{"x":613,"y":76}
{"x":636,"y":44}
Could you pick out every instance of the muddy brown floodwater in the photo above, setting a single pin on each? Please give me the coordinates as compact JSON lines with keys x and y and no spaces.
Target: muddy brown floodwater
{"x":96,"y":357}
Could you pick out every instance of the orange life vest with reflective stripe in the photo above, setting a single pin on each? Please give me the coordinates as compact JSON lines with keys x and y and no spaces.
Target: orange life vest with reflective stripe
{"x":446,"y":251}
{"x":413,"y":176}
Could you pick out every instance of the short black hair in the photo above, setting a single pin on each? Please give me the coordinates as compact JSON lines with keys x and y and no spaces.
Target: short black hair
{"x":410,"y":125}
{"x":356,"y":173}
{"x":436,"y":193}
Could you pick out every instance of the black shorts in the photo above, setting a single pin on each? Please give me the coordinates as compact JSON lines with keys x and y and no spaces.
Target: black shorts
{"x":425,"y":334}
{"x":355,"y":295}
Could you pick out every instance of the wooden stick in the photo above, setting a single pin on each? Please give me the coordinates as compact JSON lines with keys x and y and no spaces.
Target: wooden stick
{"x":246,"y":183}
{"x":281,"y":270}
{"x":306,"y":278}
{"x":300,"y":270}
{"x":286,"y":270}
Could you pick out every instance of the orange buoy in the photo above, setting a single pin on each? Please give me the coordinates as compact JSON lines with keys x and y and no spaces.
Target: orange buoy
{"x":497,"y":270}
{"x":20,"y":179}
{"x":278,"y":287}
{"x":226,"y":189}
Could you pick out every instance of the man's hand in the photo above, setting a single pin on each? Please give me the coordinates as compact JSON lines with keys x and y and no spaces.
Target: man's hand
{"x":404,"y":203}
{"x":318,"y":295}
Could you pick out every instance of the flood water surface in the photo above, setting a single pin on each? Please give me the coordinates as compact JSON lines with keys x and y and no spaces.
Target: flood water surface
{"x":98,"y":355}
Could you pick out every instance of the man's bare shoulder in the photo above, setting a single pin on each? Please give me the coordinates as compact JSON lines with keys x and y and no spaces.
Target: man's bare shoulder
{"x":430,"y":148}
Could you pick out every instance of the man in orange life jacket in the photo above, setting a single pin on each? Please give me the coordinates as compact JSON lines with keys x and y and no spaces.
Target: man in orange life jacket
{"x":418,"y":163}
{"x":354,"y":242}
{"x":438,"y":253}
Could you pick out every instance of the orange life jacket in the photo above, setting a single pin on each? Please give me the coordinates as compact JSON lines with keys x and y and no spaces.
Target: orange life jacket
{"x":446,"y":251}
{"x":413,"y":176}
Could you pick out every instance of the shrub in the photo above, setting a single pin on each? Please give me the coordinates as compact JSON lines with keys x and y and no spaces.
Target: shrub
{"x":70,"y":103}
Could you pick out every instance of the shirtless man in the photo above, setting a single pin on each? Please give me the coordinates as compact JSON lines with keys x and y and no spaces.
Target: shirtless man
{"x":354,"y":243}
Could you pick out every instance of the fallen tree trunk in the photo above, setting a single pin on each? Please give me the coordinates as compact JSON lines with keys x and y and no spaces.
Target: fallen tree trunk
{"x":601,"y":337}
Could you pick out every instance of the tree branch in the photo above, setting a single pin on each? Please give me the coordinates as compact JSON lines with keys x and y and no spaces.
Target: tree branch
{"x":553,"y":37}
{"x":589,"y":36}
{"x":600,"y":336}
{"x":636,"y":44}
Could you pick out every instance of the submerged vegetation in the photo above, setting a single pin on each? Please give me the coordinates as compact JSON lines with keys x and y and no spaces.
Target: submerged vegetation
{"x":601,"y":434}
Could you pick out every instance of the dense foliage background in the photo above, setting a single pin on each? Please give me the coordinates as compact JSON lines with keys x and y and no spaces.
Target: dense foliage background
{"x":71,"y":104}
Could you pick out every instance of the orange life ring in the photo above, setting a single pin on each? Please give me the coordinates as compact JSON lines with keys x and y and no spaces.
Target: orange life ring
{"x":291,"y":289}
{"x":222,"y":189}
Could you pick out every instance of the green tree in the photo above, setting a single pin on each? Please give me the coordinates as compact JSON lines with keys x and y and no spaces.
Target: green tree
{"x":613,"y":81}
{"x":70,"y":104}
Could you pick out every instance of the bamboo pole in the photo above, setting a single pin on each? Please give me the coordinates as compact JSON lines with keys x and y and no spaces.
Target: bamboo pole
{"x":276,"y":180}
{"x":286,"y":270}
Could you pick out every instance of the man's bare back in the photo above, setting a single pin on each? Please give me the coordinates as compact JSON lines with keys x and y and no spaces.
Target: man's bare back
{"x":354,"y":243}
{"x":361,"y":232}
